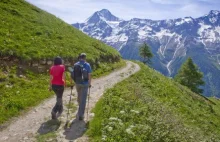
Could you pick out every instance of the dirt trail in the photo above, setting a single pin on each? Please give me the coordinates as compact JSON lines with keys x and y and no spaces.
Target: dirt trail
{"x":26,"y":127}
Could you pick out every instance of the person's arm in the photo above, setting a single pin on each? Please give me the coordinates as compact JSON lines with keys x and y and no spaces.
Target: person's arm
{"x":90,"y":79}
{"x":51,"y":78}
{"x":90,"y":75}
{"x":50,"y":83}
{"x":64,"y":78}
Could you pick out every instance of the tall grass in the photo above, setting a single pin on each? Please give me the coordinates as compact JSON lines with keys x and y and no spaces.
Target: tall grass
{"x":150,"y":107}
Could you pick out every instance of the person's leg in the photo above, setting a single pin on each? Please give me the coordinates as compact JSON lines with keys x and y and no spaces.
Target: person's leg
{"x":60,"y":99}
{"x":55,"y":108}
{"x":79,"y":92}
{"x":59,"y":102}
{"x":82,"y":104}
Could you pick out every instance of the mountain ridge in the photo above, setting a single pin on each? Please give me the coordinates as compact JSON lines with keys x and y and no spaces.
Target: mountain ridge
{"x":172,"y":41}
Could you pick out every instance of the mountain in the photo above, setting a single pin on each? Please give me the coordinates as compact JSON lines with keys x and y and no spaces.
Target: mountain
{"x":172,"y":42}
{"x":30,"y":38}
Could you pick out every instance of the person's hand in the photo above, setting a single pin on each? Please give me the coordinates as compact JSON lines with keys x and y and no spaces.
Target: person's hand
{"x":50,"y":88}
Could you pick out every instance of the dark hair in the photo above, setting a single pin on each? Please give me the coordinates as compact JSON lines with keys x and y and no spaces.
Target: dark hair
{"x":57,"y":61}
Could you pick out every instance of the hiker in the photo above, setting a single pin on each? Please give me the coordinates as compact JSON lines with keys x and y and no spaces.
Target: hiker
{"x":57,"y":83}
{"x":82,"y":78}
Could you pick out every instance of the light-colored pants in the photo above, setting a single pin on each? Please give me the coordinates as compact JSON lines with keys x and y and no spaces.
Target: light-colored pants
{"x":82,"y":91}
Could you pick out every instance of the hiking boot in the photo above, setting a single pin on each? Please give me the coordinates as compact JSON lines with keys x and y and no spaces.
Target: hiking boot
{"x":53,"y":115}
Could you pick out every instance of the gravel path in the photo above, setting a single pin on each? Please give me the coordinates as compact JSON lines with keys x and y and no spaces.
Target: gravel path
{"x":26,"y":127}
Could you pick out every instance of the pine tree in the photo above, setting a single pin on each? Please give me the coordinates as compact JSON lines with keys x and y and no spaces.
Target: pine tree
{"x":145,"y":53}
{"x":190,"y":76}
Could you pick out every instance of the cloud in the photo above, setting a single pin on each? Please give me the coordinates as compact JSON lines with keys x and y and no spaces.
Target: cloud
{"x":73,"y":11}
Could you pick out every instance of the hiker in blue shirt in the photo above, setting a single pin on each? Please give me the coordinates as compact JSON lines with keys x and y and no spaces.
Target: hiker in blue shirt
{"x":82,"y":78}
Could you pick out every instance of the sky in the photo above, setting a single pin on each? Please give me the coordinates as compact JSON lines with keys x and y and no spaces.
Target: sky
{"x":72,"y":11}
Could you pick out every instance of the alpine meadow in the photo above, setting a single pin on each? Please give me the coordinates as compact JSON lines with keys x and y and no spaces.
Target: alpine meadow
{"x":124,"y":101}
{"x":154,"y":108}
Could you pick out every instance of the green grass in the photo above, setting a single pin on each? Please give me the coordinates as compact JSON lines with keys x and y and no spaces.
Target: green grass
{"x":47,"y":132}
{"x":151,"y":107}
{"x":49,"y":137}
{"x":29,"y":35}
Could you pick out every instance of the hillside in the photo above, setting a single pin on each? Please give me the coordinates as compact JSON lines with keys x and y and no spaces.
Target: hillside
{"x":30,"y":33}
{"x":172,"y":41}
{"x":151,"y":107}
{"x":30,"y":38}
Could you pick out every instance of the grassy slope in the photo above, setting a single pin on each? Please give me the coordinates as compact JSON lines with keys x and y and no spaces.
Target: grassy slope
{"x":29,"y":34}
{"x":150,"y":107}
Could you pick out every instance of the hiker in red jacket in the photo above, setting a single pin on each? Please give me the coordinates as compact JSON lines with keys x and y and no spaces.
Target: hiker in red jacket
{"x":57,"y":83}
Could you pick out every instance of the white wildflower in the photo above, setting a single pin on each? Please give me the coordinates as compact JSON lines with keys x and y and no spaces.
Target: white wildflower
{"x":122,"y":112}
{"x":104,"y":137}
{"x":135,"y":111}
{"x":129,"y":130}
{"x":113,"y":118}
{"x":110,"y":129}
{"x":120,"y":123}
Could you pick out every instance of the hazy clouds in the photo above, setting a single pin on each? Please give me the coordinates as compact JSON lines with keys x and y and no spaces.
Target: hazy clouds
{"x":73,"y":11}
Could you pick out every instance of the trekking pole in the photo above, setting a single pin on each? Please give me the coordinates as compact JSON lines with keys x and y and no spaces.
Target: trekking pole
{"x":67,"y":119}
{"x":88,"y":105}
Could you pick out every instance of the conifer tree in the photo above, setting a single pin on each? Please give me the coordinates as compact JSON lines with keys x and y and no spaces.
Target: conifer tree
{"x":145,"y":53}
{"x":190,"y":76}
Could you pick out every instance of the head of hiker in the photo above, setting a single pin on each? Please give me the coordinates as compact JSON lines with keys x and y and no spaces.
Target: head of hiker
{"x":82,"y":57}
{"x":57,"y":61}
{"x":57,"y":82}
{"x":82,"y":78}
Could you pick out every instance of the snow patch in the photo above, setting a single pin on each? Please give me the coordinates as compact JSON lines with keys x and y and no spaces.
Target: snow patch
{"x":164,"y":33}
{"x":117,"y":38}
{"x":123,"y":38}
{"x":168,"y":67}
{"x":142,"y":32}
{"x":213,"y":20}
{"x":113,"y":24}
{"x":175,"y":55}
{"x":203,"y":28}
{"x":217,"y":29}
{"x":133,"y":26}
{"x":113,"y":38}
{"x":185,"y":20}
{"x":122,"y":46}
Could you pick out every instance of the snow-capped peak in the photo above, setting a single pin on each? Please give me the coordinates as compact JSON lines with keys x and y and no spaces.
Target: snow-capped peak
{"x":104,"y":15}
{"x":214,"y":12}
{"x":171,"y":40}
